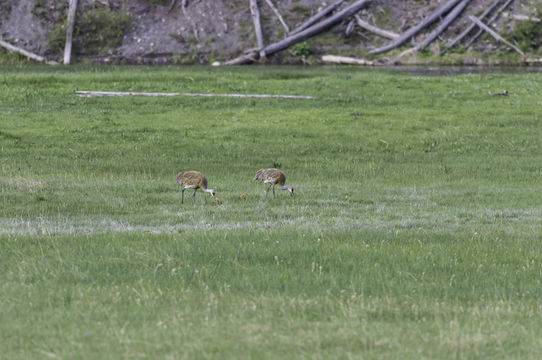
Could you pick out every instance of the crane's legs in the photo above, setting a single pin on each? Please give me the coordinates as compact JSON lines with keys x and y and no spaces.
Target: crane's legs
{"x":274,"y":191}
{"x":182,"y":197}
{"x":194,"y":196}
{"x":267,"y":191}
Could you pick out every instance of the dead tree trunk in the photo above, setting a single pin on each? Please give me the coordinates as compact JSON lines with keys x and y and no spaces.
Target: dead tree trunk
{"x":489,"y":21}
{"x":155,"y":94}
{"x":279,"y":16}
{"x":346,"y":60}
{"x":246,"y":58}
{"x":317,"y":17}
{"x":520,"y":17}
{"x":69,"y":32}
{"x":471,"y":27}
{"x":494,"y":34}
{"x":452,"y":15}
{"x":255,"y":11}
{"x":375,"y":30}
{"x":317,"y":28}
{"x":28,"y":54}
{"x":416,"y":29}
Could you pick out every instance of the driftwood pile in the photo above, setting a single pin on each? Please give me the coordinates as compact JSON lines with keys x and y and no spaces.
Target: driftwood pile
{"x":449,"y":12}
{"x":340,"y":11}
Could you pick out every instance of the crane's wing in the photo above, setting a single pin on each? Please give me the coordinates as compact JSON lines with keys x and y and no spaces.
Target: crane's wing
{"x":194,"y":178}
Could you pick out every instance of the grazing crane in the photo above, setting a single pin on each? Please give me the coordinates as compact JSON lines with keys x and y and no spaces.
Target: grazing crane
{"x":273,"y":177}
{"x":193,"y":180}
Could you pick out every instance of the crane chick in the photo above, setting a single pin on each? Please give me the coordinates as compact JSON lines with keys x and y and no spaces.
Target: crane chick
{"x":273,"y":177}
{"x":193,"y":180}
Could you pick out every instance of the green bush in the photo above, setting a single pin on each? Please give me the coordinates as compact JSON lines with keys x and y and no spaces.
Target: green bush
{"x":302,"y":49}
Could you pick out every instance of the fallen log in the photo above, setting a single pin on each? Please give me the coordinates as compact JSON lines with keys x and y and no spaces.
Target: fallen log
{"x":349,"y":28}
{"x":499,"y":93}
{"x":246,"y":58}
{"x":334,"y":59}
{"x":416,"y":29}
{"x":471,"y":27}
{"x":452,"y":15}
{"x":69,"y":32}
{"x":317,"y":28}
{"x":375,"y":30}
{"x":494,"y":34}
{"x":317,"y":17}
{"x":279,"y":16}
{"x":255,"y":11}
{"x":489,"y":21}
{"x":521,"y":17}
{"x":82,"y":93}
{"x":28,"y":54}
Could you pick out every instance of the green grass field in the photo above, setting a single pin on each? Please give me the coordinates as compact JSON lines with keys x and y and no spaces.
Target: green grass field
{"x":414,"y":233}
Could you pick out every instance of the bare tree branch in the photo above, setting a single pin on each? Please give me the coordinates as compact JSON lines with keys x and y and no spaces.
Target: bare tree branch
{"x":375,"y":30}
{"x":452,"y":15}
{"x":69,"y":32}
{"x":279,"y":16}
{"x":155,"y":94}
{"x":471,"y":27}
{"x":255,"y":11}
{"x":246,"y":58}
{"x":346,"y":60}
{"x":317,"y":17}
{"x":521,"y":17}
{"x":416,"y":29}
{"x":489,"y":21}
{"x":28,"y":54}
{"x":317,"y":28}
{"x":494,"y":34}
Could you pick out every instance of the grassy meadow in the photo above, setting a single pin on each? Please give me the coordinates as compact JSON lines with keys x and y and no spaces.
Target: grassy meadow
{"x":414,"y":233}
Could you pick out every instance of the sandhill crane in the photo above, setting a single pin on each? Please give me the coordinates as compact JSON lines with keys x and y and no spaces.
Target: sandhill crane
{"x":273,"y":177}
{"x":193,"y":180}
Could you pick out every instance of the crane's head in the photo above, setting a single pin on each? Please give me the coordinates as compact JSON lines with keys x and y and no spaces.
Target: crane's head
{"x":212,"y":192}
{"x":291,"y":190}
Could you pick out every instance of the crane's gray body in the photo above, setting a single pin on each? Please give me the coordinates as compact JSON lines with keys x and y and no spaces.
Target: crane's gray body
{"x":193,"y":180}
{"x":273,"y":177}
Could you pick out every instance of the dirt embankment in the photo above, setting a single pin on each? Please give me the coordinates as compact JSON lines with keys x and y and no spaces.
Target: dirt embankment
{"x":151,"y":31}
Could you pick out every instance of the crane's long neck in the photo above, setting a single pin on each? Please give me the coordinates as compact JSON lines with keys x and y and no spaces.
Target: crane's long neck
{"x":289,"y":188}
{"x":210,"y":191}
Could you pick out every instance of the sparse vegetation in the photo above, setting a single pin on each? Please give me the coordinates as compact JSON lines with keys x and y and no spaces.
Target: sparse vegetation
{"x":528,"y":34}
{"x":97,"y":30}
{"x":11,"y":58}
{"x":301,"y":10}
{"x":415,"y":231}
